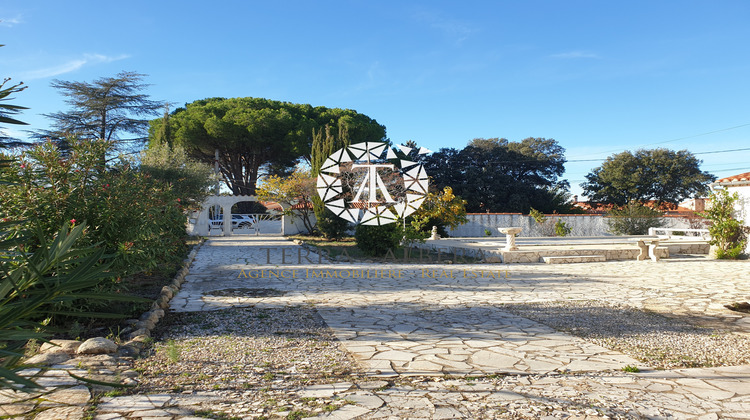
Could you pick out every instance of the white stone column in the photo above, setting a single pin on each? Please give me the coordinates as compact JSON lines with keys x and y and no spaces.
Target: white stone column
{"x":227,"y":210}
{"x":510,"y":237}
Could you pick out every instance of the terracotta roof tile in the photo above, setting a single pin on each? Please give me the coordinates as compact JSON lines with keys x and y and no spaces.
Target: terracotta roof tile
{"x":593,"y":207}
{"x":271,"y":205}
{"x":352,"y":205}
{"x":736,"y":178}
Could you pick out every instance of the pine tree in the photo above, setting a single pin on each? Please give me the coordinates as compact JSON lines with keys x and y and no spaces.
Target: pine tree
{"x":110,"y":108}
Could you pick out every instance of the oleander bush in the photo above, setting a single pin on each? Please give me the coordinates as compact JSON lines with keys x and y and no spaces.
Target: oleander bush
{"x":137,"y":216}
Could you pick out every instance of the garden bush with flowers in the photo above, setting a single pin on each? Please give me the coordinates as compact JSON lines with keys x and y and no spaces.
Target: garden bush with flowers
{"x":76,"y":229}
{"x":138,"y":218}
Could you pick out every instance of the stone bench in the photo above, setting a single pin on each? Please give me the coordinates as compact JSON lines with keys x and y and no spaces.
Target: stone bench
{"x":648,"y":248}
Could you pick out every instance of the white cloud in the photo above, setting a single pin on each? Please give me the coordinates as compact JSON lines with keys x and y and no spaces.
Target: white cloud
{"x":458,"y":30}
{"x":9,"y":22}
{"x":575,"y":54}
{"x":70,"y":66}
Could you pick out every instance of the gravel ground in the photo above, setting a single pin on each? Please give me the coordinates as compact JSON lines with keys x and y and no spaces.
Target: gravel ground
{"x":257,"y":360}
{"x":658,"y":341}
{"x":258,"y":356}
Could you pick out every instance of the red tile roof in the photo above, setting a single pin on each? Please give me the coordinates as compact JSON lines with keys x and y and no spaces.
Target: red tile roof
{"x":603,"y":208}
{"x":303,"y":205}
{"x":271,"y":205}
{"x":352,"y":205}
{"x":735,"y":178}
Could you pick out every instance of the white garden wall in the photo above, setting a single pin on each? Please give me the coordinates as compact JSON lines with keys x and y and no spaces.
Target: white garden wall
{"x":580,"y":224}
{"x":293,"y":225}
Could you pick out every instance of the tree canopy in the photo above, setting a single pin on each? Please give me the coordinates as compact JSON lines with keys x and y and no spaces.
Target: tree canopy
{"x":189,"y":180}
{"x":497,"y":175}
{"x":109,"y":108}
{"x":658,"y":174}
{"x":256,"y":136}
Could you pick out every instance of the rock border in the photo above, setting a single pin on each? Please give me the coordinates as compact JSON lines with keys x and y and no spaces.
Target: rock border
{"x":140,"y":329}
{"x":97,"y":359}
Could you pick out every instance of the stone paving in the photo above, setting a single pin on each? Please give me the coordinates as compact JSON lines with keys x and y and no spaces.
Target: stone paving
{"x":442,"y":321}
{"x":439,"y":319}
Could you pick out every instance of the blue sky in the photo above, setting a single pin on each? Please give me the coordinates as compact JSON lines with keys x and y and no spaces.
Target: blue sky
{"x":600,"y":77}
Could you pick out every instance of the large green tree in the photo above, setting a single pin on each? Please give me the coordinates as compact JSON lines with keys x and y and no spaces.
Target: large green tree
{"x":109,"y":108}
{"x":662,"y":175}
{"x":190,"y":181}
{"x":497,"y":175}
{"x":35,"y":285}
{"x":257,"y":137}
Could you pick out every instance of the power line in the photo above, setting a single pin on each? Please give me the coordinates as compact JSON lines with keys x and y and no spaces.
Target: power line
{"x":584,"y":160}
{"x":683,"y":138}
{"x":718,"y":165}
{"x":733,"y":169}
{"x":697,"y":153}
{"x":704,"y":134}
{"x":722,"y":151}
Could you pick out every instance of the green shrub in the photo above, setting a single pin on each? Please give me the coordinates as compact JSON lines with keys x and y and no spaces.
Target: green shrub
{"x":537,"y":215}
{"x":327,"y":223}
{"x":634,"y":218}
{"x":545,"y":225}
{"x":35,"y":286}
{"x":331,"y":226}
{"x":377,"y":240}
{"x":443,"y":210}
{"x":188,"y":179}
{"x":562,"y":228}
{"x":727,"y":233}
{"x":138,"y":219}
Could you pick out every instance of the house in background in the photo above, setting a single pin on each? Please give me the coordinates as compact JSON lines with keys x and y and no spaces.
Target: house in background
{"x":694,"y":204}
{"x":741,"y":185}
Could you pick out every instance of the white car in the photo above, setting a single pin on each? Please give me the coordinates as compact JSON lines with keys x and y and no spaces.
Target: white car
{"x":239,"y":221}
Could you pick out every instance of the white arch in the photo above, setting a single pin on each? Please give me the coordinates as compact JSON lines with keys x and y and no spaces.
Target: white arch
{"x":199,"y":219}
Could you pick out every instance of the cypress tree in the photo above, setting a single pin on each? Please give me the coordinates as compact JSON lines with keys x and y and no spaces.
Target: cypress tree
{"x":323,"y":145}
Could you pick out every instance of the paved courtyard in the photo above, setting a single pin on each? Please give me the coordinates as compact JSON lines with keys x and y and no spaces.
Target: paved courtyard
{"x":449,"y":321}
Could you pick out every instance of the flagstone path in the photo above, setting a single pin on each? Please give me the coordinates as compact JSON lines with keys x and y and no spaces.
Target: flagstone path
{"x":444,"y":319}
{"x":447,"y":322}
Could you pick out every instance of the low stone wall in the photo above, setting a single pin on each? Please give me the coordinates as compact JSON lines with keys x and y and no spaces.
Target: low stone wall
{"x":692,"y":248}
{"x":581,"y":224}
{"x":623,"y":254}
{"x":533,"y":254}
